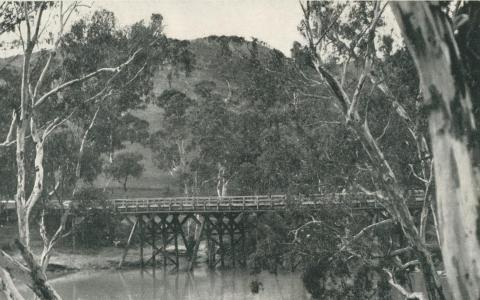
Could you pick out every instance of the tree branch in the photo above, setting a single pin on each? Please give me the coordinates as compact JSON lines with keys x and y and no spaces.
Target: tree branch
{"x":402,"y":290}
{"x":57,"y":122}
{"x":364,"y":231}
{"x":81,"y":150}
{"x":38,"y":22}
{"x":8,"y":287}
{"x":353,"y":110}
{"x":42,"y":75}
{"x":416,"y":175}
{"x":384,"y":131}
{"x":88,"y":76}
{"x":38,"y":284}
{"x":48,"y":244}
{"x":11,"y":130}
{"x":27,"y":21}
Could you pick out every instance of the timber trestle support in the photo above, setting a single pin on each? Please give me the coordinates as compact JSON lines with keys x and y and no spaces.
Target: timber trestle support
{"x":169,"y":237}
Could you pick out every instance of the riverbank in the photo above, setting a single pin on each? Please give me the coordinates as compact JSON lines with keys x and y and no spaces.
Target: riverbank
{"x":66,"y":259}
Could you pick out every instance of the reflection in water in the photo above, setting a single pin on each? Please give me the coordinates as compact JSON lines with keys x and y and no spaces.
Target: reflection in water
{"x":160,"y":284}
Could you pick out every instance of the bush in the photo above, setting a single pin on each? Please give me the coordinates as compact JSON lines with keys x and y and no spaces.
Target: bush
{"x":98,"y":226}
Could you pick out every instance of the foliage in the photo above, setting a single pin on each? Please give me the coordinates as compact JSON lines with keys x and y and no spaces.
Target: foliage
{"x":61,"y":160}
{"x":242,"y":129}
{"x":96,"y":225}
{"x":124,"y":165}
{"x":9,"y":78}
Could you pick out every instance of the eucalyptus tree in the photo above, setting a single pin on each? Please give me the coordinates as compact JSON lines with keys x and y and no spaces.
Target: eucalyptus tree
{"x":173,"y":144}
{"x":215,"y":137}
{"x":53,"y":89}
{"x":347,"y":33}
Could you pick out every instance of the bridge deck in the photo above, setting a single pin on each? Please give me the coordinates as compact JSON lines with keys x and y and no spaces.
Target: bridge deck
{"x":250,"y":203}
{"x":241,"y":203}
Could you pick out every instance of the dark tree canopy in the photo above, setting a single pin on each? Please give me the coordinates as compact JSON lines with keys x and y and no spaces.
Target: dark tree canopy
{"x":124,"y":165}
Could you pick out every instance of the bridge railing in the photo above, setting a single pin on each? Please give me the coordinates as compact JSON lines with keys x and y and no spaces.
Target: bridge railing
{"x":262,"y":202}
{"x":356,"y":200}
{"x":199,"y":203}
{"x":243,"y":203}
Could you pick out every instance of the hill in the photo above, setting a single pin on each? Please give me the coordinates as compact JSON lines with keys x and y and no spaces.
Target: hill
{"x":222,"y":60}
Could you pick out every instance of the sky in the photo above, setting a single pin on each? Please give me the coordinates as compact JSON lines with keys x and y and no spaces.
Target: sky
{"x":272,"y":21}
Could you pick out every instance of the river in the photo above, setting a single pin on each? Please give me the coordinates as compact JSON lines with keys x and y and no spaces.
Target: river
{"x":158,"y":284}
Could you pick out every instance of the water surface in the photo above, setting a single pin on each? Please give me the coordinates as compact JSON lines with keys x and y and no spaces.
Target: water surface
{"x":159,"y":284}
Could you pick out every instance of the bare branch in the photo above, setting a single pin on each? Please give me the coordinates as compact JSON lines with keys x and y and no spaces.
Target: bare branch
{"x":229,"y":92}
{"x":409,"y":248}
{"x":399,"y":109}
{"x":316,"y":82}
{"x":402,"y":290}
{"x":56,"y":187}
{"x":7,"y":286}
{"x":416,"y":175}
{"x":11,"y":130}
{"x":327,"y":30}
{"x":38,"y":22}
{"x":312,"y":222}
{"x":12,"y":263}
{"x":136,"y":75}
{"x":27,"y":22}
{"x":43,"y":229}
{"x":335,"y":88}
{"x":323,"y":122}
{"x":353,"y":110}
{"x":377,"y":194}
{"x":110,"y":92}
{"x":370,"y":31}
{"x":42,"y":75}
{"x":38,"y":284}
{"x":82,"y":148}
{"x":411,"y":263}
{"x":20,"y":36}
{"x":384,"y":131}
{"x":48,"y":244}
{"x":93,"y":74}
{"x":365,"y":230}
{"x":57,"y":122}
{"x":315,"y":96}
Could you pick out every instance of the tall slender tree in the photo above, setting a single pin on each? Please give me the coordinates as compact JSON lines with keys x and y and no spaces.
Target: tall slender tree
{"x":50,"y":94}
{"x":353,"y":42}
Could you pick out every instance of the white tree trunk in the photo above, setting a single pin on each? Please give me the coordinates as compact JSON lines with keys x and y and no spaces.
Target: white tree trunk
{"x":430,"y":39}
{"x":7,"y":287}
{"x":22,"y":125}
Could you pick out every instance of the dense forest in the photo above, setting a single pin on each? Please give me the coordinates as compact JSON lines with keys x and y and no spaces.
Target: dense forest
{"x":354,"y":109}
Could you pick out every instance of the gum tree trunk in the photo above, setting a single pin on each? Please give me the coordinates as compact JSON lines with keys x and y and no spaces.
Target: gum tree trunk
{"x":431,"y":42}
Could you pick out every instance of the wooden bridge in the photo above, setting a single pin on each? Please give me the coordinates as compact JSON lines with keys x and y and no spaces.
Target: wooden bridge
{"x":252,"y":203}
{"x":237,"y":203}
{"x":222,"y":222}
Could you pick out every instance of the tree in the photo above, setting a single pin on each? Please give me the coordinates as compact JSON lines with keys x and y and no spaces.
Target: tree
{"x":51,"y":91}
{"x":124,"y":165}
{"x":325,"y":32}
{"x":172,"y":145}
{"x":214,"y":135}
{"x":446,"y":63}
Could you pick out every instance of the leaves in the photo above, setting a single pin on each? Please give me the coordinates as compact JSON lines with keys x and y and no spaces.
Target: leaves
{"x":124,"y":165}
